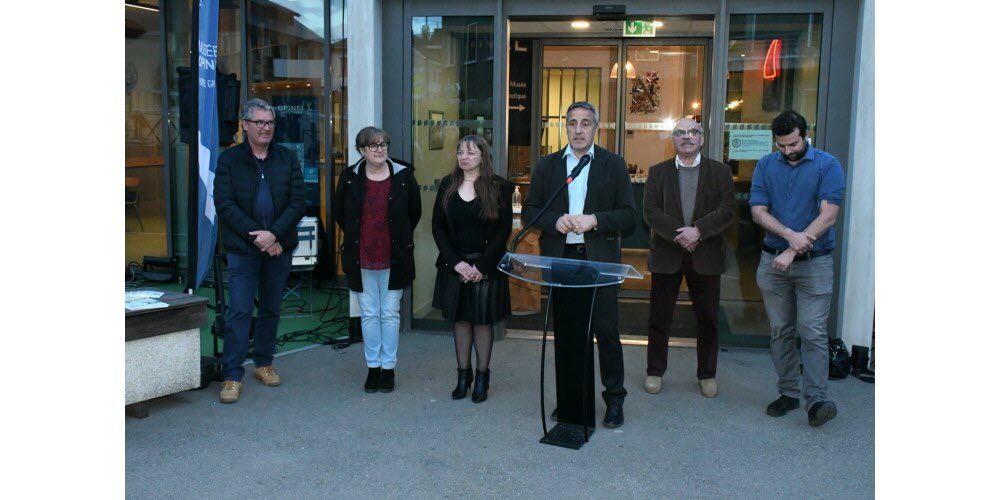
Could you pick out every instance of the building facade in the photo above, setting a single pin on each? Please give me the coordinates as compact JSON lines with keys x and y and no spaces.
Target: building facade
{"x":430,"y":72}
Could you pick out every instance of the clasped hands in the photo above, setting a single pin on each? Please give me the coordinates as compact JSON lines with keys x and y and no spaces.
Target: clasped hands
{"x":798,"y":243}
{"x":468,"y":272}
{"x":688,"y":238}
{"x":267,"y":242}
{"x":578,"y":224}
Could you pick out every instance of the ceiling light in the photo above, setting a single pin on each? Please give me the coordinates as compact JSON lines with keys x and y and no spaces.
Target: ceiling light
{"x":657,"y":24}
{"x":629,"y":70}
{"x":137,"y":5}
{"x":580,"y":25}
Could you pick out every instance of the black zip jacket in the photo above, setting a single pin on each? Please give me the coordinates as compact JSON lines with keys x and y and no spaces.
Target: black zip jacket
{"x":404,"y":214}
{"x":236,"y":183}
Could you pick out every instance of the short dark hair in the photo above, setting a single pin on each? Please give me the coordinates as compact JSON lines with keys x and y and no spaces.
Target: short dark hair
{"x":584,"y":105}
{"x":787,"y":122}
{"x":369,"y":135}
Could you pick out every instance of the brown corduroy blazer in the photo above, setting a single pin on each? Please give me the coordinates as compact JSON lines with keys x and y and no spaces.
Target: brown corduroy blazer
{"x":714,"y":210}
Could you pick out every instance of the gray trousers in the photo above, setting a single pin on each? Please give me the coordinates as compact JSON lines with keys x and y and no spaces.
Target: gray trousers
{"x":798,"y":301}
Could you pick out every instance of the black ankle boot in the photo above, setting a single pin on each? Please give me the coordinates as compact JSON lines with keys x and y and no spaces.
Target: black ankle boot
{"x":482,"y":386}
{"x":388,"y":381}
{"x":464,"y":382}
{"x":374,"y":377}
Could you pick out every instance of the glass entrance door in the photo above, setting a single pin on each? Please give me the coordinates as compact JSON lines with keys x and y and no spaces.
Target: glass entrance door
{"x":664,"y":83}
{"x":640,"y":91}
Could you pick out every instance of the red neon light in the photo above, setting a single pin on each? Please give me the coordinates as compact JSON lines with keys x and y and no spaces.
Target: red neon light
{"x":772,"y":67}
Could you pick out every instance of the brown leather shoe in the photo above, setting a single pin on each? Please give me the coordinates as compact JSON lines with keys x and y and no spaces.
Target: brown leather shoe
{"x":267,"y":375}
{"x":230,"y":392}
{"x":653,"y":384}
{"x":709,"y":387}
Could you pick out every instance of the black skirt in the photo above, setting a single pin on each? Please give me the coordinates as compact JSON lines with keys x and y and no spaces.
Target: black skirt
{"x":480,"y":303}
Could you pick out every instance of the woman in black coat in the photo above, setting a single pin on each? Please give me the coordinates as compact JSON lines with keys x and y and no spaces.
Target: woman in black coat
{"x":377,"y":205}
{"x":471,"y":223}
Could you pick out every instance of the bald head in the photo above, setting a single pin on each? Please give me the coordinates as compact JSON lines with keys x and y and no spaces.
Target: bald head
{"x":688,"y":136}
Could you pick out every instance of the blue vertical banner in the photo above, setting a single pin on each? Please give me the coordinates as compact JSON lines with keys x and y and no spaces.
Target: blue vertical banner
{"x":208,"y":132}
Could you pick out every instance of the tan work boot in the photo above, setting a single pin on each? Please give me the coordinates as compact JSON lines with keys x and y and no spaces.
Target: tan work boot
{"x":709,"y":388}
{"x":653,"y":384}
{"x":267,"y":375}
{"x":230,"y":392}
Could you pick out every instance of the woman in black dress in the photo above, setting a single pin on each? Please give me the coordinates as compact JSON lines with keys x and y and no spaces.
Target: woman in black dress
{"x":471,"y":224}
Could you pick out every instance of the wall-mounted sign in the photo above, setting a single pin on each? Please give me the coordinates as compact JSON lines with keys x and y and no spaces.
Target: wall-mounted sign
{"x":519,"y":93}
{"x":639,"y":27}
{"x":749,"y":144}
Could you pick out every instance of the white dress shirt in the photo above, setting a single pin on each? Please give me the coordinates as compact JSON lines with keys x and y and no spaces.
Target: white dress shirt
{"x":577,"y":189}
{"x":678,"y":163}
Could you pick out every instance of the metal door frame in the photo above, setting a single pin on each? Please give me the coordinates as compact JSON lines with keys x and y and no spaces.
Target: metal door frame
{"x":622,"y":44}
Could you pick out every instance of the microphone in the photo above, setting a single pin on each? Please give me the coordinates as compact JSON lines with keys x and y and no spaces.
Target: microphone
{"x":579,"y":168}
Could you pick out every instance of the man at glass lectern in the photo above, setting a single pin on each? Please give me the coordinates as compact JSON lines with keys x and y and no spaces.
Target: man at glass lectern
{"x":586,"y":222}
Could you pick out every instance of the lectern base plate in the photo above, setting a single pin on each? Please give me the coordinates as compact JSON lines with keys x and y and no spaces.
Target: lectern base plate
{"x":567,"y":436}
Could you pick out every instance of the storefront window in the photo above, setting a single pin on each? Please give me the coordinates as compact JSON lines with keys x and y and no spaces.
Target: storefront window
{"x":286,"y":68}
{"x":181,"y":123}
{"x":773,"y":65}
{"x":145,"y":200}
{"x":452,"y":97}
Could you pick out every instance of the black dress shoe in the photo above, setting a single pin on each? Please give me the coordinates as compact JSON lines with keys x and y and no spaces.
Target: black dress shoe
{"x":555,"y":414}
{"x":374,"y":376}
{"x":614,"y":417}
{"x":782,"y":405}
{"x":388,"y":381}
{"x":821,"y":413}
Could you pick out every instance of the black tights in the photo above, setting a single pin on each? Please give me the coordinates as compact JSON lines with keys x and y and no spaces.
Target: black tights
{"x":466,"y":334}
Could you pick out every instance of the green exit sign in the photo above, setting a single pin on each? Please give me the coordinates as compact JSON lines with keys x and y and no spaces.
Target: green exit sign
{"x":639,"y":27}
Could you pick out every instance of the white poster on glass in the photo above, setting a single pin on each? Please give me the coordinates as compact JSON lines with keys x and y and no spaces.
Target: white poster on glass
{"x":749,"y":144}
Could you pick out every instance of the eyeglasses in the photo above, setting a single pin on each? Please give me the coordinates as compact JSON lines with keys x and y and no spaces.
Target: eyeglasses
{"x":681,"y":133}
{"x":262,"y":123}
{"x":384,"y":146}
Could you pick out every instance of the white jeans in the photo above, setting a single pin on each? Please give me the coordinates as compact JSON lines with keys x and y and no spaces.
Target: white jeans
{"x":379,"y":318}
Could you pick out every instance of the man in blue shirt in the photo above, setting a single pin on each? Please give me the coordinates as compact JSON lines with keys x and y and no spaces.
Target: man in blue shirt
{"x":795,"y":196}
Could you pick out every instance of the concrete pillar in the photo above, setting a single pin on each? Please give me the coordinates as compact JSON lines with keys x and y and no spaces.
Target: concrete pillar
{"x":364,"y":69}
{"x":857,"y":292}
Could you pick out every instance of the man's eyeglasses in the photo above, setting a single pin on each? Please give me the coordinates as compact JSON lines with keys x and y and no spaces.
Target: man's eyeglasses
{"x":681,"y":133}
{"x":262,"y":123}
{"x":384,"y":146}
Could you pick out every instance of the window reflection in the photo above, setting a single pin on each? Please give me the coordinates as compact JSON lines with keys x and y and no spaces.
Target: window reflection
{"x":145,"y":203}
{"x":452,"y":97}
{"x":286,"y":70}
{"x":773,"y":65}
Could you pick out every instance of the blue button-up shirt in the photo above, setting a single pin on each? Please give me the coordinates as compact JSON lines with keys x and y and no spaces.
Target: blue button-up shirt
{"x":792,"y":194}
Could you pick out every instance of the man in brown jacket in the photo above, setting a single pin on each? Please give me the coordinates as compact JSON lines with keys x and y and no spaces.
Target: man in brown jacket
{"x":689,"y":203}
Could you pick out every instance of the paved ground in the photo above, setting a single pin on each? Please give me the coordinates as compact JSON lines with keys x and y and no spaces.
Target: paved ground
{"x":319,"y":435}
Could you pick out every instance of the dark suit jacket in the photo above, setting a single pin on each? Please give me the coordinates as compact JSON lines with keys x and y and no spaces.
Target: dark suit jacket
{"x":609,"y":198}
{"x":713,"y":212}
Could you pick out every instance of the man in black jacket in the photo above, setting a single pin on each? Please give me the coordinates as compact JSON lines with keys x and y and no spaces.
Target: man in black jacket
{"x":260,"y":199}
{"x":586,"y":222}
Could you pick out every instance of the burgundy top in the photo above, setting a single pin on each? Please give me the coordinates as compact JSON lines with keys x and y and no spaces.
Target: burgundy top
{"x":375,"y":240}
